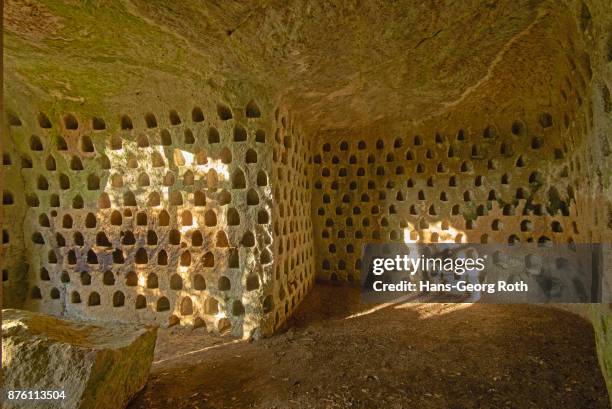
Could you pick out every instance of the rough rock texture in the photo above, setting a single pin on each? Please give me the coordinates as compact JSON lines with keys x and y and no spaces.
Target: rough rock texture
{"x":97,"y":366}
{"x":171,"y":223}
{"x":483,"y":121}
{"x":337,"y":65}
{"x":180,"y":204}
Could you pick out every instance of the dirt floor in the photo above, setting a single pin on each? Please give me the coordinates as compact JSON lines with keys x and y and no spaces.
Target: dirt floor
{"x":341,"y":354}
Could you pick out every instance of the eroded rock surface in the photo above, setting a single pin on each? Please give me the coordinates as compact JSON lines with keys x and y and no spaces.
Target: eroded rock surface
{"x":199,"y":163}
{"x":96,"y":366}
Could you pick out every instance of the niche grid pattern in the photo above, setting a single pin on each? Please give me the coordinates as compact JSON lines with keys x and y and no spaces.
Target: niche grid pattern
{"x":515,"y":181}
{"x":169,"y":221}
{"x":294,"y":268}
{"x":494,"y":184}
{"x":529,"y":175}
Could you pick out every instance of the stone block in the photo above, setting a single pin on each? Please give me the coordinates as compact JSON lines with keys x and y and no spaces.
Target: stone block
{"x":96,"y":366}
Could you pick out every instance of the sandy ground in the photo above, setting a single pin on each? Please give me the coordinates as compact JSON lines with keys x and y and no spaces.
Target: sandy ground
{"x":342,"y":354}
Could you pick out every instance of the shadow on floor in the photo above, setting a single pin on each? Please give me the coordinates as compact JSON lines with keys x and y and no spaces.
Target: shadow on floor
{"x":339,"y":353}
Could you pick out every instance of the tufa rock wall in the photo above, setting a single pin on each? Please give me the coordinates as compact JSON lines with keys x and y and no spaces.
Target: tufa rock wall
{"x":198,"y":217}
